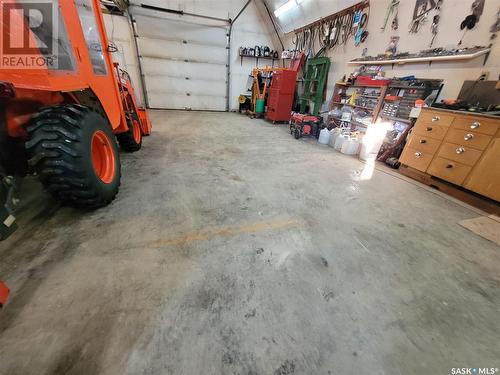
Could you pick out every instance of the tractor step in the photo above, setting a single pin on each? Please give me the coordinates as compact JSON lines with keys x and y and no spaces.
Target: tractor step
{"x":7,"y":224}
{"x":7,"y":220}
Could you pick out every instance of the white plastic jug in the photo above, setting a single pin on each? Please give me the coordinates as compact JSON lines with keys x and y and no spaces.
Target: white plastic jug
{"x":350,"y":147}
{"x":324,"y":136}
{"x":334,"y":133}
{"x":340,"y":141}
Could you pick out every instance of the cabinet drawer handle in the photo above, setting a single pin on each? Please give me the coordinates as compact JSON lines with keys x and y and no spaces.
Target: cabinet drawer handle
{"x":460,"y":150}
{"x":429,"y":128}
{"x":436,"y":118}
{"x":418,"y":154}
{"x":449,"y":166}
{"x":468,"y":137}
{"x":423,"y":141}
{"x":475,"y":125}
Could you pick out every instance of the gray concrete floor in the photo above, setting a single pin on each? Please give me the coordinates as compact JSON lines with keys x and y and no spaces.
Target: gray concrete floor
{"x":232,"y":248}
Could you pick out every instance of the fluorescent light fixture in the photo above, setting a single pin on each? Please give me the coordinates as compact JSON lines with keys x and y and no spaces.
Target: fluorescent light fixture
{"x":286,"y":7}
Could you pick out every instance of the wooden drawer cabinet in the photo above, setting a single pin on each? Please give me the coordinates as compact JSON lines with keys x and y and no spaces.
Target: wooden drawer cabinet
{"x":462,"y":154}
{"x":424,"y":143}
{"x":475,"y":124}
{"x":449,"y":170}
{"x":432,"y":131}
{"x":463,"y":149}
{"x":468,"y":138}
{"x":485,"y":177}
{"x":416,"y":158}
{"x":435,"y":118}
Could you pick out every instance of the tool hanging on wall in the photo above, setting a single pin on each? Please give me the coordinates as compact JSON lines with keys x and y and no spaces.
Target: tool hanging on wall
{"x":333,"y":30}
{"x":420,"y":13}
{"x":495,"y":28}
{"x":472,"y":19}
{"x":435,"y":22}
{"x":392,"y":8}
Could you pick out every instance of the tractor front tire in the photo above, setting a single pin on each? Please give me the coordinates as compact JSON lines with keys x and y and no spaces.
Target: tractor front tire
{"x":131,"y":140}
{"x":74,"y":153}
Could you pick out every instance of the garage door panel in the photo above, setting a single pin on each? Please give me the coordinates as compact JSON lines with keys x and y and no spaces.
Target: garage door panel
{"x":183,"y":61}
{"x":182,"y":30}
{"x":208,"y":103}
{"x":182,"y":51}
{"x":182,"y":86}
{"x":158,"y":67}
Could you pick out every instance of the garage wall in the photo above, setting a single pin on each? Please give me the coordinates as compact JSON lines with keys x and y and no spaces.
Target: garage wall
{"x":250,"y":29}
{"x":119,"y":32}
{"x":452,"y":14}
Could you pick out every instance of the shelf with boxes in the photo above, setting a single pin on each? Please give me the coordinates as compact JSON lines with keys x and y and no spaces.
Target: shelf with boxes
{"x":357,"y":105}
{"x":402,"y":94}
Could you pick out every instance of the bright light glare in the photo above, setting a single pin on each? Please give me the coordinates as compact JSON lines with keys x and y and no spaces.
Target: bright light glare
{"x":367,"y":173}
{"x":286,"y":7}
{"x":372,"y":141}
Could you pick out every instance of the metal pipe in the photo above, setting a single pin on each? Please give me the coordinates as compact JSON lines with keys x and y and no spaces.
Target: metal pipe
{"x":241,"y":11}
{"x":274,"y":26}
{"x":228,"y":77}
{"x":182,"y":13}
{"x":139,"y":63}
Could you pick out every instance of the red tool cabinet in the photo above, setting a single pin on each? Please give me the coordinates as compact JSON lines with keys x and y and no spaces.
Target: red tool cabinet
{"x":281,"y":94}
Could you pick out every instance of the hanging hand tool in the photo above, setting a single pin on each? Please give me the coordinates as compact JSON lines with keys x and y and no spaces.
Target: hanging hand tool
{"x":395,"y":20}
{"x":393,"y":6}
{"x":420,"y":13}
{"x":472,"y":19}
{"x":435,"y":22}
{"x":495,"y":28}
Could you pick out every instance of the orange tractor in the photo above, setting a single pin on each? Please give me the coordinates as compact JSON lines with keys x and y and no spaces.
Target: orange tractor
{"x":63,"y":104}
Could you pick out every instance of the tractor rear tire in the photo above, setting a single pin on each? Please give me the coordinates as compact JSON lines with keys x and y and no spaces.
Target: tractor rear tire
{"x":74,"y":153}
{"x":131,"y":140}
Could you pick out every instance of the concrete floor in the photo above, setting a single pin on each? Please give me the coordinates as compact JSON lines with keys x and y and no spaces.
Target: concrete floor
{"x":232,"y":248}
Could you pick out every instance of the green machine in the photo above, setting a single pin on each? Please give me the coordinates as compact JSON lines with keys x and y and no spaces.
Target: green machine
{"x":314,"y":83}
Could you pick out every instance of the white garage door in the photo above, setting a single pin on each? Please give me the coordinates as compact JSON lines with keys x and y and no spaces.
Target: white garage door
{"x":183,"y":60}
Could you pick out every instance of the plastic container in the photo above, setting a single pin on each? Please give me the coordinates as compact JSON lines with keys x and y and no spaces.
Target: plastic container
{"x":350,"y":147}
{"x":259,"y":106}
{"x":340,"y":141}
{"x":334,"y":133}
{"x":324,"y":136}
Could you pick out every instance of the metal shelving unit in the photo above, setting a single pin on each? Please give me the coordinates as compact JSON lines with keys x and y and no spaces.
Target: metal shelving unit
{"x":342,"y":87}
{"x":257,"y":58}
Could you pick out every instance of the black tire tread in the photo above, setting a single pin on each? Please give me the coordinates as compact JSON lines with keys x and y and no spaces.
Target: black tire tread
{"x":126,"y":140}
{"x":55,"y":154}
